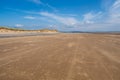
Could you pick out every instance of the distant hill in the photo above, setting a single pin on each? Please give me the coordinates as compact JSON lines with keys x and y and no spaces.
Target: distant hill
{"x":99,"y":32}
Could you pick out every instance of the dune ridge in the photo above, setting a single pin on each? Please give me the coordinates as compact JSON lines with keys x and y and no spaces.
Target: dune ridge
{"x":17,"y":30}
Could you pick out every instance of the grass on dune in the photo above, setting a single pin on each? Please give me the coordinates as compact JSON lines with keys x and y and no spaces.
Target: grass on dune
{"x":13,"y":29}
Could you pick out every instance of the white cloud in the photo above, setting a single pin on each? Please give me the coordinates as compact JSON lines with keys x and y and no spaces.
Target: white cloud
{"x":69,"y":21}
{"x":44,"y":4}
{"x":105,"y":4}
{"x":19,"y":25}
{"x":51,"y":7}
{"x":107,"y":21}
{"x":91,"y":17}
{"x":116,"y":4}
{"x":29,"y":17}
{"x":114,"y":12}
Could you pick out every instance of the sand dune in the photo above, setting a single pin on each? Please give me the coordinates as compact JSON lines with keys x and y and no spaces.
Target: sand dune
{"x":4,"y":30}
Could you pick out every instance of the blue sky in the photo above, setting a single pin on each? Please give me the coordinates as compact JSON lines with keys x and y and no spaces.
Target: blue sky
{"x":64,"y":15}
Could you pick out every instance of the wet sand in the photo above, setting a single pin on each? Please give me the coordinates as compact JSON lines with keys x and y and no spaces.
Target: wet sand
{"x":9,"y":35}
{"x":60,"y":57}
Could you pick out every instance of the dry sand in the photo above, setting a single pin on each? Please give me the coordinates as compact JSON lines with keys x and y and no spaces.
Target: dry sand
{"x":60,"y":57}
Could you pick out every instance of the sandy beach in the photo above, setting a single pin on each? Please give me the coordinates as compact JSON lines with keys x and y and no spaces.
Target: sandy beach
{"x":60,"y":57}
